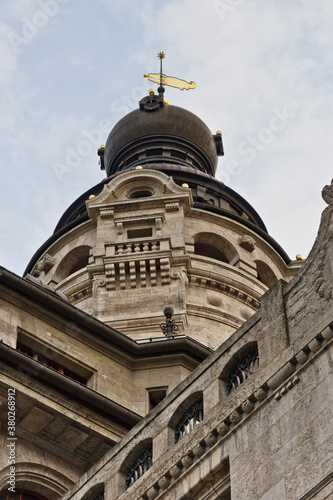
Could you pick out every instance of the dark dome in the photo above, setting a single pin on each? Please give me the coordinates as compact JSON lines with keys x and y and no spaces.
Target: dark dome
{"x":175,"y":141}
{"x":159,"y":132}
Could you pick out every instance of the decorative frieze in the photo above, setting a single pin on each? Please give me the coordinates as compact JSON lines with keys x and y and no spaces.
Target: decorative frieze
{"x":285,"y":388}
{"x":107,"y":214}
{"x":226,"y":289}
{"x":172,"y":206}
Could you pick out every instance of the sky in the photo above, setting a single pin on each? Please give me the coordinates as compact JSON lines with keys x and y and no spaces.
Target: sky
{"x":70,"y":69}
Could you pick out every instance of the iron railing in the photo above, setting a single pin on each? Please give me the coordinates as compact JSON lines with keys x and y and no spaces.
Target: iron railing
{"x":247,"y":366}
{"x":139,"y":467}
{"x":192,"y":417}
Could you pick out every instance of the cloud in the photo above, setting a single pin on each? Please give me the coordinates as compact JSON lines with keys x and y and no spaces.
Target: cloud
{"x":86,"y":65}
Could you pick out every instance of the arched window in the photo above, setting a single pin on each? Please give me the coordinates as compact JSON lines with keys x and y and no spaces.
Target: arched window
{"x":139,"y":466}
{"x":75,"y":260}
{"x":242,"y":369}
{"x":20,"y":495}
{"x":190,"y":419}
{"x":265,"y":274}
{"x":215,"y":247}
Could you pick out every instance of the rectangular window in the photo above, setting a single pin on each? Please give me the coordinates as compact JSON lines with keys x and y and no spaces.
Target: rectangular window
{"x":155,"y":396}
{"x":50,"y":363}
{"x":146,"y":232}
{"x":51,"y":357}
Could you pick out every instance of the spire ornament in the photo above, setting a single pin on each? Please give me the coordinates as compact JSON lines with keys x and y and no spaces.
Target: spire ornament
{"x":171,"y":81}
{"x":169,"y":328}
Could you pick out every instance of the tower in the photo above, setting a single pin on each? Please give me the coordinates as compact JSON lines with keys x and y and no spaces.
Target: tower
{"x":161,"y":231}
{"x":130,"y":342}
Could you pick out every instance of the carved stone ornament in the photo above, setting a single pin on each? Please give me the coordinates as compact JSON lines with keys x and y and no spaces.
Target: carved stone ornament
{"x":327,"y":193}
{"x":49,"y":262}
{"x":120,"y":228}
{"x":45,"y":264}
{"x":215,"y":299}
{"x":247,"y":242}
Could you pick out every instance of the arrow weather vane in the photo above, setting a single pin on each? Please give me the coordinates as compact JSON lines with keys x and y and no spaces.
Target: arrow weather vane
{"x":168,"y":80}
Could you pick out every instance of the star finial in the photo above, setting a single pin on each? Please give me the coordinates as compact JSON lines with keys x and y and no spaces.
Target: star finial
{"x":161,"y":55}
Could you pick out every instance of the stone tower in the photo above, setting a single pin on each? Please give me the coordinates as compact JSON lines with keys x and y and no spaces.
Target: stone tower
{"x":161,"y":231}
{"x":161,"y":344}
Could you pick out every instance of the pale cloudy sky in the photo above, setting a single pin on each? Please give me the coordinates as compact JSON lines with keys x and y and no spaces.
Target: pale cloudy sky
{"x":70,"y":69}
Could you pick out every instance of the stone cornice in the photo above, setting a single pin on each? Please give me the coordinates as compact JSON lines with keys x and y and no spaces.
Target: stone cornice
{"x":50,"y":304}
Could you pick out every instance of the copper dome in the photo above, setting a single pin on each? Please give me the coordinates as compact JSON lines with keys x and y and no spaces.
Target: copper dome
{"x":157,"y":132}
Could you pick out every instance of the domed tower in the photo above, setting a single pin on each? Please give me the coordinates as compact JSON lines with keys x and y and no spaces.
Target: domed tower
{"x":162,"y":231}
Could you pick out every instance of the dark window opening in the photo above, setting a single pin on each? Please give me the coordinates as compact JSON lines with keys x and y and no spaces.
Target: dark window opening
{"x":83,"y":262}
{"x":50,"y":363}
{"x":178,"y":154}
{"x":140,"y":233}
{"x":140,"y":193}
{"x":197,"y":165}
{"x":154,"y":152}
{"x":155,"y":397}
{"x":207,"y":250}
{"x":132,"y":159}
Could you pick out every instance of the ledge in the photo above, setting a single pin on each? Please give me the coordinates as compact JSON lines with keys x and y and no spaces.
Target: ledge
{"x":69,"y":387}
{"x":96,"y":328}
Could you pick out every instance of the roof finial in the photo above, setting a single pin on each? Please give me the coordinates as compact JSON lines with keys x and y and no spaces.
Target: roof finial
{"x":168,"y":80}
{"x":161,"y":89}
{"x":169,"y":328}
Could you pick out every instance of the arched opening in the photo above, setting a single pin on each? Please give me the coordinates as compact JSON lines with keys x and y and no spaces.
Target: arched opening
{"x":140,"y":193}
{"x":215,"y":247}
{"x":207,"y":250}
{"x":191,"y":418}
{"x":33,"y":481}
{"x":75,"y":260}
{"x":187,"y":416}
{"x":137,"y":462}
{"x":140,"y":465}
{"x":243,"y":364}
{"x":265,"y":274}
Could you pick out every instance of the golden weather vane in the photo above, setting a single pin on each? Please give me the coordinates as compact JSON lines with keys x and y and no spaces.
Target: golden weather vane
{"x":171,"y":81}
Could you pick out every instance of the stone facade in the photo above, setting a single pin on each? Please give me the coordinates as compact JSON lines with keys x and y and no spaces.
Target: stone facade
{"x":234,"y":402}
{"x":270,"y":438}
